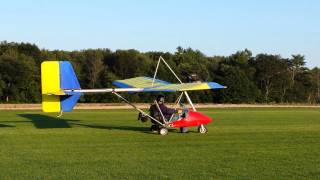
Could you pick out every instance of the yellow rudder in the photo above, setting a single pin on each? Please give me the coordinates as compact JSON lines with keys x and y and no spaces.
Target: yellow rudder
{"x":50,"y":85}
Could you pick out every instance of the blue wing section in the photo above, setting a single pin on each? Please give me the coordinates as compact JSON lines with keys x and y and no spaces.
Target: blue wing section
{"x":68,"y":80}
{"x":214,"y":85}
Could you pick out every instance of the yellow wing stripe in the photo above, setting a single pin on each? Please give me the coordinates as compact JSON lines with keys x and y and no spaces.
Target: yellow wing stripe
{"x":141,"y":82}
{"x":183,"y":87}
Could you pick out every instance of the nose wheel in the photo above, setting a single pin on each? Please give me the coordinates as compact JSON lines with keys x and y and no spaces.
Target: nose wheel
{"x":202,"y":129}
{"x":163,"y":131}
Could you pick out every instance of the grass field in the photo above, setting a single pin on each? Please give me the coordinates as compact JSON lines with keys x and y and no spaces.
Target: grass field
{"x":247,"y":143}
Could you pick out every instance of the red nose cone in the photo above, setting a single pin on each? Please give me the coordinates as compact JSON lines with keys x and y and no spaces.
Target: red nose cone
{"x":201,"y":118}
{"x":206,"y":119}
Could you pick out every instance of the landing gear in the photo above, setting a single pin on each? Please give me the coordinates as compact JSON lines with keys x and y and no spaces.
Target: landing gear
{"x":154,"y":128}
{"x":159,"y":129}
{"x":163,"y":131}
{"x":202,"y":129}
{"x":183,"y":129}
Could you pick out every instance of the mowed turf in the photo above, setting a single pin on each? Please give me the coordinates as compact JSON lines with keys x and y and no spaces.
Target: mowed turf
{"x":247,"y":143}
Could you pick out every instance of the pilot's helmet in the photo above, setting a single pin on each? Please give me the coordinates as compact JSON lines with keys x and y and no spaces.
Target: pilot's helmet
{"x":160,"y":99}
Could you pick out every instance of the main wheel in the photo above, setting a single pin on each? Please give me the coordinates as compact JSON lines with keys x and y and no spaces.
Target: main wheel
{"x":202,"y":129}
{"x":183,"y":129}
{"x":163,"y":131}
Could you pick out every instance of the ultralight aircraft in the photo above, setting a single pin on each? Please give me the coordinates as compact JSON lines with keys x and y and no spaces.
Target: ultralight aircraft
{"x":61,"y":91}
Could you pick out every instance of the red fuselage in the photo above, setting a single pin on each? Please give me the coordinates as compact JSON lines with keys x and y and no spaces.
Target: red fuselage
{"x":193,"y":119}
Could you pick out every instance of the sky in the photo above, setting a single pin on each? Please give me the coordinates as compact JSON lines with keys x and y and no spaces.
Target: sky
{"x":215,"y":27}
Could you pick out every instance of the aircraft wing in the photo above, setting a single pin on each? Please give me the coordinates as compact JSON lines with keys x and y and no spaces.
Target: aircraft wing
{"x":139,"y":82}
{"x":145,"y":83}
{"x":186,"y":87}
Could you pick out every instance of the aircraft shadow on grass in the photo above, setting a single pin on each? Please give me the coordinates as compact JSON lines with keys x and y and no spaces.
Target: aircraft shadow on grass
{"x":124,"y":128}
{"x":5,"y":126}
{"x":46,"y":122}
{"x":42,"y":121}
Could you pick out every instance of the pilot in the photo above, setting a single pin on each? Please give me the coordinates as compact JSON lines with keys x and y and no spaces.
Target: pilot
{"x":166,"y":111}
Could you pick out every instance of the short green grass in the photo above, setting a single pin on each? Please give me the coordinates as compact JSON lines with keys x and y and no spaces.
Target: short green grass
{"x":247,"y":143}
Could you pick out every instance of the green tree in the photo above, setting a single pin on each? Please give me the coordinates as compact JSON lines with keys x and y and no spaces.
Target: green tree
{"x":315,"y":90}
{"x":240,"y":88}
{"x":296,"y":63}
{"x":270,"y":68}
{"x":19,"y":79}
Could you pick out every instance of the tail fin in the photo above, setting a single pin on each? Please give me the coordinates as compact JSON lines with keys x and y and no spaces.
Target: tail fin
{"x":56,"y":76}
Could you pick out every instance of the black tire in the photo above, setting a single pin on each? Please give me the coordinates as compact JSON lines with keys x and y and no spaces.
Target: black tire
{"x":183,"y":130}
{"x":154,"y":128}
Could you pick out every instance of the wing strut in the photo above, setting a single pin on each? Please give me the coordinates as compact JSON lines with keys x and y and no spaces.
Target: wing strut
{"x":175,"y":105}
{"x":164,"y":119}
{"x":155,"y":73}
{"x":175,"y":75}
{"x":135,"y":107}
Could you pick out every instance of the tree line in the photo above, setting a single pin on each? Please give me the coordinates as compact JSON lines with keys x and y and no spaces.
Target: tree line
{"x":264,"y":78}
